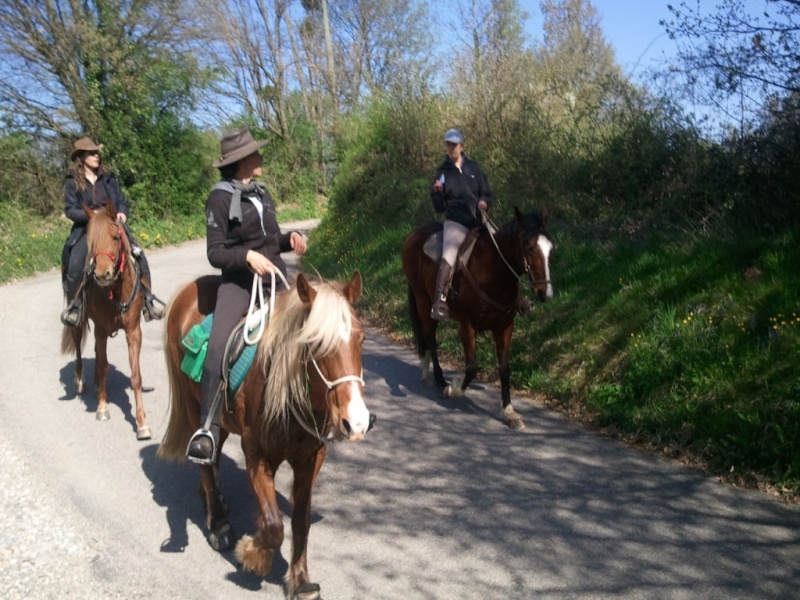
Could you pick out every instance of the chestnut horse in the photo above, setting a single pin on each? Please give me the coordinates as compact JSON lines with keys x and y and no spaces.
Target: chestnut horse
{"x":112,"y":285}
{"x":484,"y":294}
{"x":304,"y":388}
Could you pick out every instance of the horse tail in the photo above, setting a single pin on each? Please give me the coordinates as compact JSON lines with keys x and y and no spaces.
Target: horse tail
{"x":68,"y":338}
{"x":182,"y":392}
{"x":416,"y":323}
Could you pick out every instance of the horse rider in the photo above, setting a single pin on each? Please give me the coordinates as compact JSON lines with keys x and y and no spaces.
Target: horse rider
{"x":242,"y":238}
{"x":88,"y":183}
{"x":461,"y":191}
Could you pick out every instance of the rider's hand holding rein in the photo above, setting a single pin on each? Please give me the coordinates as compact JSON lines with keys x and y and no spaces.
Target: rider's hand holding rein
{"x":122,"y":217}
{"x":259,"y":263}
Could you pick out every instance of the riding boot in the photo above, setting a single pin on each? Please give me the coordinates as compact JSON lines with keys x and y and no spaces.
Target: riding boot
{"x":152,"y":305}
{"x":72,"y":316}
{"x":439,"y":310}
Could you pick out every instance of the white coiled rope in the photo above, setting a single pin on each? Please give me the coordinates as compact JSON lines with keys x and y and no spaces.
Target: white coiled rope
{"x":258,"y":317}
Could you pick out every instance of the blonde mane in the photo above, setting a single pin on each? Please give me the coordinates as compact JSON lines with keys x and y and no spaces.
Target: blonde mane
{"x":296,"y":332}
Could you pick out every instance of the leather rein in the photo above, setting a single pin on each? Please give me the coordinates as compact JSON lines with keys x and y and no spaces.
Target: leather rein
{"x":491,"y":227}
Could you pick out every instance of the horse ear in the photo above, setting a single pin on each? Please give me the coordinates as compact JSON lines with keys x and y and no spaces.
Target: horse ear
{"x":110,"y":211}
{"x":352,"y":291}
{"x":89,"y":212}
{"x":545,"y":215}
{"x":520,"y":217}
{"x":304,"y":289}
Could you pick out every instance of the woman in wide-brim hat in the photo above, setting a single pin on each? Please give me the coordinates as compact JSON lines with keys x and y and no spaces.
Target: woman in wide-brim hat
{"x":242,"y":238}
{"x":89,"y":184}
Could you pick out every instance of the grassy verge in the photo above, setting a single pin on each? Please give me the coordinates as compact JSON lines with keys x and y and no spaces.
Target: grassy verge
{"x":685,"y":343}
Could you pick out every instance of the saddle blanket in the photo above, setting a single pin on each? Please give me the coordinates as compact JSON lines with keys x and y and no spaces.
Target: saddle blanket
{"x":240,"y":355}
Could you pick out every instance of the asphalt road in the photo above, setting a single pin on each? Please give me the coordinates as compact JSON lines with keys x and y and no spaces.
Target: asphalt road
{"x":441,"y":501}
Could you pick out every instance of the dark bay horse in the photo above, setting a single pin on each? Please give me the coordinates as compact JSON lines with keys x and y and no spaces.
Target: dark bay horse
{"x":304,"y":388}
{"x":483,"y":296}
{"x":113,"y":301}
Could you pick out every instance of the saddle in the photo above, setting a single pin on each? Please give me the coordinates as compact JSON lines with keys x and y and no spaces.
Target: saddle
{"x":237,"y":358}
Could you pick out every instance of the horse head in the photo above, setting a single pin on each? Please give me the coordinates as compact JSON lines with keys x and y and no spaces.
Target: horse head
{"x":536,"y":248}
{"x":332,"y":338}
{"x":106,"y":243}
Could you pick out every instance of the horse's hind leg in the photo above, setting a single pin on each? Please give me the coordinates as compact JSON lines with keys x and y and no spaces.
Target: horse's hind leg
{"x":220,"y":533}
{"x":502,"y":340}
{"x":457,"y":388}
{"x":77,"y":340}
{"x":256,"y":552}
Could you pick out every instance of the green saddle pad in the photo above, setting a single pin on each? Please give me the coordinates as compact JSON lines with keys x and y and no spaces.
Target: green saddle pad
{"x":196,"y":347}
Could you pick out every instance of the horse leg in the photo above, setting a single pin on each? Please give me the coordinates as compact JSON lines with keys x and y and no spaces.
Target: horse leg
{"x":502,"y":340}
{"x":426,"y":343}
{"x":77,"y":339}
{"x":256,"y":552}
{"x":101,"y":373}
{"x":220,"y":532}
{"x":469,"y":343}
{"x":299,"y":583}
{"x":134,"y":339}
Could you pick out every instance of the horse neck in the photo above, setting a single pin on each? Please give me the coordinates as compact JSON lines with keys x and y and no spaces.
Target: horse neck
{"x":507,"y":239}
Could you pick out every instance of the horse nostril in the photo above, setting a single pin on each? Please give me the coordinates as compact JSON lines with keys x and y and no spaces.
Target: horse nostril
{"x":372,"y":419}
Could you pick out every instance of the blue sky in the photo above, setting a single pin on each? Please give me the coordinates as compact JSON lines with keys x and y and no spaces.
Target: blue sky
{"x":631,"y":28}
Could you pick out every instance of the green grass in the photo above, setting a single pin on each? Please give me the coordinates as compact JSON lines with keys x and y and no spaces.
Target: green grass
{"x":686,"y":343}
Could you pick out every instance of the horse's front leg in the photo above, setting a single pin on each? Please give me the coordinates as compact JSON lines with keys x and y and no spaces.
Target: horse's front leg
{"x":256,"y":552}
{"x":134,"y":339}
{"x":101,"y":372}
{"x":299,"y":583}
{"x":468,"y":341}
{"x":502,"y":340}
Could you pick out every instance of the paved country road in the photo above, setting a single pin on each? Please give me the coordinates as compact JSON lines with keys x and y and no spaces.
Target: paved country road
{"x":441,"y":501}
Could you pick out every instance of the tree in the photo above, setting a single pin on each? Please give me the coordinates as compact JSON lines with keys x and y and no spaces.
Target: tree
{"x":736,"y":60}
{"x":120,"y":71}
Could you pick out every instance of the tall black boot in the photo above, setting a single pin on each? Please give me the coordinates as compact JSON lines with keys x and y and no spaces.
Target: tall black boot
{"x":72,"y":316}
{"x":152,"y":305}
{"x":439,"y":310}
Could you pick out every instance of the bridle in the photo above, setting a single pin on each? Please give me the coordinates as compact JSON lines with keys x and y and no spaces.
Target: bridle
{"x":117,"y":259}
{"x":331,"y":385}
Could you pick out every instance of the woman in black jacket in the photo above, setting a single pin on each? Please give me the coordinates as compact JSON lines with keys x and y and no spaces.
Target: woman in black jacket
{"x":91,"y":185}
{"x":460,"y":191}
{"x":242,"y":238}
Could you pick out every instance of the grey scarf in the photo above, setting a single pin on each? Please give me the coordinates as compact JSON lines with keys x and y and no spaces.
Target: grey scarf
{"x":239,"y":188}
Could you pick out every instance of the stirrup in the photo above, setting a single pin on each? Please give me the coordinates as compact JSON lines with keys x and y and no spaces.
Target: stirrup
{"x":199,"y":434}
{"x":150,"y":309}
{"x":440,"y":310}
{"x":72,"y":316}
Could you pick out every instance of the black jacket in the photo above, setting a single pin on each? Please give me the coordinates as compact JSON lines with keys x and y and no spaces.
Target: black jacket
{"x":462,"y":191}
{"x":94,"y":195}
{"x":227,"y":241}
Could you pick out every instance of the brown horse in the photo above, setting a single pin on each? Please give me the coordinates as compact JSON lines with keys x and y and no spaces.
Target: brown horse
{"x":305,"y":388}
{"x":113,"y":286}
{"x":484,"y":294}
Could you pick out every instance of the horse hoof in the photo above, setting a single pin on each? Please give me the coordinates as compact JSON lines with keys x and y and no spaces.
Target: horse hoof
{"x":307,"y":591}
{"x":222,"y":538}
{"x":143,"y":433}
{"x":516,"y":424}
{"x":102,"y":414}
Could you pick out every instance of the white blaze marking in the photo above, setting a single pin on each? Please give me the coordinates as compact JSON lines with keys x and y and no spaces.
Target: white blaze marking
{"x":545,"y":246}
